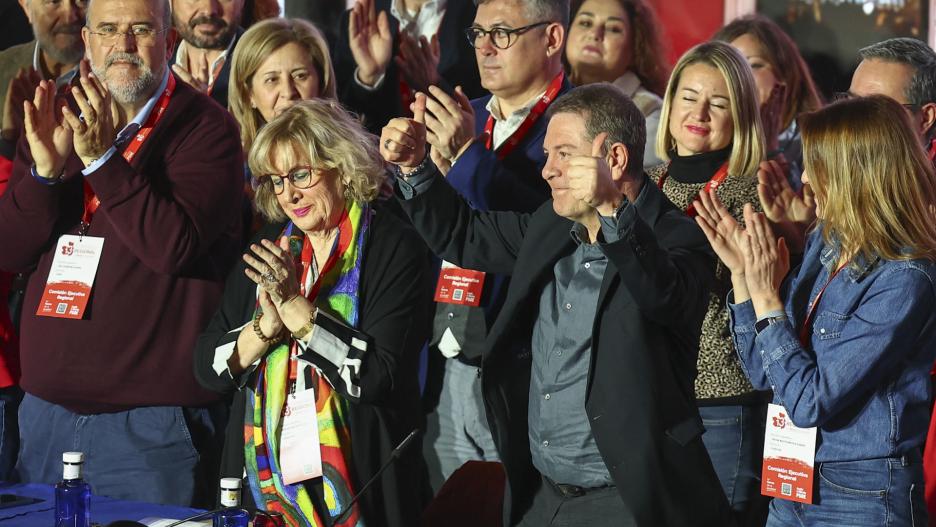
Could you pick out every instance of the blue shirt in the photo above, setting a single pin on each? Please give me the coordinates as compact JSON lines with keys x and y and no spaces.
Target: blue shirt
{"x":863,"y":377}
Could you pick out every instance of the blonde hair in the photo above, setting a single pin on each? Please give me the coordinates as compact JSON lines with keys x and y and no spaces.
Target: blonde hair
{"x":323,"y":134}
{"x":874,"y":183}
{"x":254,"y":47}
{"x":747,"y":148}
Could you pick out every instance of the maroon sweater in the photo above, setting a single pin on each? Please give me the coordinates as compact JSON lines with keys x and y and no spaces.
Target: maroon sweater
{"x":171,"y":226}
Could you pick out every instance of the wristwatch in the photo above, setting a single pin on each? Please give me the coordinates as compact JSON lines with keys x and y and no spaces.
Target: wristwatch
{"x":766,"y":322}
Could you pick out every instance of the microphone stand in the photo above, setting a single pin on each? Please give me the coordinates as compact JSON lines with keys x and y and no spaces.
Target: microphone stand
{"x":397,"y":452}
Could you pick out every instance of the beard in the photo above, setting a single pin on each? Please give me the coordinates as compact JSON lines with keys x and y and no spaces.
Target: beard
{"x":71,"y":52}
{"x":218,"y":41}
{"x":124,"y":88}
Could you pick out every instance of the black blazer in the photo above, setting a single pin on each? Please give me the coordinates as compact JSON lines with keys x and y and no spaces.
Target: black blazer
{"x":457,"y":66}
{"x":639,"y":396}
{"x":395,"y":295}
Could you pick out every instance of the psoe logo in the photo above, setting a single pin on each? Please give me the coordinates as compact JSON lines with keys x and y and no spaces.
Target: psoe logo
{"x":779,"y":421}
{"x":68,"y":249}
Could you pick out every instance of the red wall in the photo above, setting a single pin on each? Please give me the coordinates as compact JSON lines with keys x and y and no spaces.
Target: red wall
{"x":688,"y":22}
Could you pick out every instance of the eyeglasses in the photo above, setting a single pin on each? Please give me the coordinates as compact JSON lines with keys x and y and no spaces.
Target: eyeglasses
{"x":844,"y":96}
{"x":501,"y":37}
{"x":143,"y":35}
{"x":299,"y":177}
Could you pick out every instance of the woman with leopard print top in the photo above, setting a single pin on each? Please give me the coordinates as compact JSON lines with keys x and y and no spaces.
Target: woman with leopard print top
{"x":713,"y":139}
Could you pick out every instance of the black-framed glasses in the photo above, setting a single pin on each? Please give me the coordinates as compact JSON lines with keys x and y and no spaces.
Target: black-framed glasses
{"x":844,"y":96}
{"x":501,"y":37}
{"x":143,"y":35}
{"x":300,"y":177}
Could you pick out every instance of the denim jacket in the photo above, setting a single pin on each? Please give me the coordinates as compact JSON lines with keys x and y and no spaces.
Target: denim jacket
{"x":864,"y":377}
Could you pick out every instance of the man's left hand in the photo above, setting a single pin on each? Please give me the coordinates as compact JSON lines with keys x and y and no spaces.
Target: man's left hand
{"x":418,"y":61}
{"x":589,"y":179}
{"x":94,"y":134}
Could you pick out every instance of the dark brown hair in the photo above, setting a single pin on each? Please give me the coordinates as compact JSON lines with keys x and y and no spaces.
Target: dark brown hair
{"x":649,"y":57}
{"x":784,"y":57}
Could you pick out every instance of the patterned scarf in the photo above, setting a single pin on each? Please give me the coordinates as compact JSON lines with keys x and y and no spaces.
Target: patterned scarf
{"x":337,"y":292}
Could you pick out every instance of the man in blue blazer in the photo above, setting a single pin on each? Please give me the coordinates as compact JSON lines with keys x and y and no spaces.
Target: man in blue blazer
{"x":492,"y":149}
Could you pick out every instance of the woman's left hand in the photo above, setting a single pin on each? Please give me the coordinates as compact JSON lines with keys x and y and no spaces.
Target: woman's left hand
{"x":273,"y":268}
{"x":766,"y":262}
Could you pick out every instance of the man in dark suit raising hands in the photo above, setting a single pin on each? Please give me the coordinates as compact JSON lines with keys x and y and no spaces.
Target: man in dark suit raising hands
{"x":603,"y":312}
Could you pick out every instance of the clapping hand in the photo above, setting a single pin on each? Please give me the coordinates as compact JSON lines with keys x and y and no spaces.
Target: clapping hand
{"x":779,"y":200}
{"x":198,"y":77}
{"x":47,"y":132}
{"x":403,"y":140}
{"x":418,"y":61}
{"x":766,"y":262}
{"x":273,"y":268}
{"x":792,"y":213}
{"x":723,"y":231}
{"x":19,"y":90}
{"x":370,"y":40}
{"x":450,"y":122}
{"x":94,"y":132}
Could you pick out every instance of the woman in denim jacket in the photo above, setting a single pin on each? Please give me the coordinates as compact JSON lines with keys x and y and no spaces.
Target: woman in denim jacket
{"x":853,"y":362}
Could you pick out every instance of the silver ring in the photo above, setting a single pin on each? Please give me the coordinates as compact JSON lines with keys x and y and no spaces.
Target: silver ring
{"x":386,"y":144}
{"x":269,"y":278}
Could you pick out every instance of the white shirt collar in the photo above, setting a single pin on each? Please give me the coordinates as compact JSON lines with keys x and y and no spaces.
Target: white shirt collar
{"x":425,"y":22}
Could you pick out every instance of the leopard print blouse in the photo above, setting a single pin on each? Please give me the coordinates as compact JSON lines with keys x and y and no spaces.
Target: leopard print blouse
{"x":720,"y":374}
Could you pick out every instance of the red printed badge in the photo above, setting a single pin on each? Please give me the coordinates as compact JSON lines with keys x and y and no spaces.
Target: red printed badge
{"x":71,"y":277}
{"x":789,"y":458}
{"x":459,"y":286}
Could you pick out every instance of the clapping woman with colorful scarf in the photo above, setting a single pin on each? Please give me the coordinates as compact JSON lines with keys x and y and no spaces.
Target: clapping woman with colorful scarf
{"x":329,"y":306}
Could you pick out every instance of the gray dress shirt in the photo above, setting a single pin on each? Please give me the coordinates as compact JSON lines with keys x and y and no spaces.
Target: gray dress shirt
{"x":561,"y":441}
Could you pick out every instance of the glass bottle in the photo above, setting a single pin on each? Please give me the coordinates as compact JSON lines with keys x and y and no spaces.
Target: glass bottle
{"x":73,"y":494}
{"x":231,"y":515}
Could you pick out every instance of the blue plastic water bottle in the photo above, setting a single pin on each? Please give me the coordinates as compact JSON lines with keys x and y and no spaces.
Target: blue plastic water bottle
{"x":72,"y":495}
{"x":232,"y":515}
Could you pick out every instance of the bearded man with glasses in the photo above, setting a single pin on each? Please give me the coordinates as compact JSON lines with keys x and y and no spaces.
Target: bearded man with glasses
{"x":129,"y":192}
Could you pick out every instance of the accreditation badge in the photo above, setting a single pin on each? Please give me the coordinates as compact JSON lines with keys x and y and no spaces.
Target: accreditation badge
{"x":459,"y":286}
{"x":789,"y":458}
{"x":300,"y":451}
{"x":71,"y":277}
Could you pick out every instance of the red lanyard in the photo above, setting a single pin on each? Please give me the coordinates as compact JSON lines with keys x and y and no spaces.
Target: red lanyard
{"x":535,"y":113}
{"x":345,"y":235}
{"x":720,"y":176}
{"x":807,"y":323}
{"x":91,"y":201}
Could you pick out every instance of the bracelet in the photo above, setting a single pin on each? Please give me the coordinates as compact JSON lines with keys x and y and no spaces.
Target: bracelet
{"x":418,"y":169}
{"x":259,"y":332}
{"x":307,"y":328}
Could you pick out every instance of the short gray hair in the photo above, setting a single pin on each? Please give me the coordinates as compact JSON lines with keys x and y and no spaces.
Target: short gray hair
{"x":166,"y":18}
{"x":542,"y":10}
{"x":606,"y":109}
{"x":914,"y":53}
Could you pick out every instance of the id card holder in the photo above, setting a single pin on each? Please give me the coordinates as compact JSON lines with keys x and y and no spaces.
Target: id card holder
{"x":71,"y":276}
{"x":300,"y":451}
{"x":459,"y":286}
{"x":789,"y":458}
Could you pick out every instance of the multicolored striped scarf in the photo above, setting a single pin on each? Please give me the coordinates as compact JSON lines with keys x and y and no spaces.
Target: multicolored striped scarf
{"x":338,"y":294}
